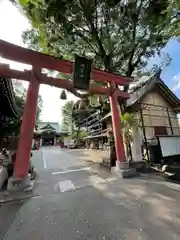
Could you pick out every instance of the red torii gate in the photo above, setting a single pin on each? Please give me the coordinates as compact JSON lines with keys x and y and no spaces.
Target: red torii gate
{"x":35,"y":78}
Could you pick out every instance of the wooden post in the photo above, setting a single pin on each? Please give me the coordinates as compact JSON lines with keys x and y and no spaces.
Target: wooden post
{"x":169,"y":119}
{"x":120,"y":153}
{"x":21,"y":168}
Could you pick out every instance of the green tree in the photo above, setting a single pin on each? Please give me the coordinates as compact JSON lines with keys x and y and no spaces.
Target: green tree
{"x":20,"y":94}
{"x":67,"y":121}
{"x":83,"y":134}
{"x":119,"y":35}
{"x":39,"y":108}
{"x":128,"y":122}
{"x":96,"y":100}
{"x":174,"y":14}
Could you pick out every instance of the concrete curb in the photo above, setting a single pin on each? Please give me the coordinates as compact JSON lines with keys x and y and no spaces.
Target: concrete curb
{"x":3,"y":201}
{"x":6,"y":197}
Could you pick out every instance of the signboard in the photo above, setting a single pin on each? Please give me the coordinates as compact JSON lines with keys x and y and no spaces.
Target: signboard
{"x":170,"y":145}
{"x":82,"y":73}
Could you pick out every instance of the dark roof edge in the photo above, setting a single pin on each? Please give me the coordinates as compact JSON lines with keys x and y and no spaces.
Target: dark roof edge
{"x":139,"y":94}
{"x":11,"y":95}
{"x":176,"y":99}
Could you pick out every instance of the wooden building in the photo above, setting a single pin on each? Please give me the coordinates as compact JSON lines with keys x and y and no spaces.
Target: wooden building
{"x":155,"y":108}
{"x":47,"y":133}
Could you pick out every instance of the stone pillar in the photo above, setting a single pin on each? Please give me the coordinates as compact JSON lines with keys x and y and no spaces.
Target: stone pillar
{"x":40,"y":142}
{"x":33,"y":141}
{"x":55,"y":141}
{"x":136,"y":145}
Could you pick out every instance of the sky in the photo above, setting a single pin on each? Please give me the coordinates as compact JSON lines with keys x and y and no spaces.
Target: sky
{"x":13,"y":23}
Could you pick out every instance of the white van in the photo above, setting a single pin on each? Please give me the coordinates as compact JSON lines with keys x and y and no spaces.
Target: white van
{"x":69,"y":143}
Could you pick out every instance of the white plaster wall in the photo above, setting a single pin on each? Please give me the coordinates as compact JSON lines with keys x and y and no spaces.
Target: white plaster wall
{"x":136,"y":145}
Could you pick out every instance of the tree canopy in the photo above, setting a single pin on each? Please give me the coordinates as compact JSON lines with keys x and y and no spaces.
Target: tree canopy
{"x":120,"y":35}
{"x":174,"y":14}
{"x":20,"y":98}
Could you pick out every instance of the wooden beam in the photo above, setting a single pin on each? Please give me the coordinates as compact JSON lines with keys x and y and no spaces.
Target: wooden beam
{"x":68,"y":84}
{"x":11,"y":73}
{"x":23,"y":55}
{"x":121,"y":94}
{"x":56,"y":82}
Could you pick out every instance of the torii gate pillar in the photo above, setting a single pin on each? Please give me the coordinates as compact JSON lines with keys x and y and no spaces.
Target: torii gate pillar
{"x":21,"y":168}
{"x":122,"y":166}
{"x":116,"y":124}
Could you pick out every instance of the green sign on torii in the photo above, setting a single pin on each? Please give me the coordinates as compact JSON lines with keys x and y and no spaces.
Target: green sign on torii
{"x":82,"y":73}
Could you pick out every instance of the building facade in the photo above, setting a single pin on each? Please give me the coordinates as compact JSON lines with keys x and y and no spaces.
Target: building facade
{"x":48,"y":133}
{"x":156,"y":109}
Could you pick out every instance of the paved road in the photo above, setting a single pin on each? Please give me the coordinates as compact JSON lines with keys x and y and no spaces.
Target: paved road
{"x":62,"y":170}
{"x":77,"y":201}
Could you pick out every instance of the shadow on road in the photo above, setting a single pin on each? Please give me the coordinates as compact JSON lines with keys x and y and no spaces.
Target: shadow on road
{"x":124,"y":209}
{"x":8,"y":212}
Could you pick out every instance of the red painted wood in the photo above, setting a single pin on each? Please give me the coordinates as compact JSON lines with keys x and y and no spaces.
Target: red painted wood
{"x":56,"y":82}
{"x":116,"y":123}
{"x":23,"y":55}
{"x":27,"y":127}
{"x":11,"y":73}
{"x":4,"y":65}
{"x":102,"y":76}
{"x":121,"y":94}
{"x":39,"y":60}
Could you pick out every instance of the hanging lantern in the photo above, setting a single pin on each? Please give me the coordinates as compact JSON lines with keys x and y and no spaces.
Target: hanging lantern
{"x":63,"y":95}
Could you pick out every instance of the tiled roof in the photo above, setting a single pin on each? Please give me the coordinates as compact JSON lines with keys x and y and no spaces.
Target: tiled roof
{"x":149,"y":85}
{"x":145,"y":85}
{"x":48,"y":125}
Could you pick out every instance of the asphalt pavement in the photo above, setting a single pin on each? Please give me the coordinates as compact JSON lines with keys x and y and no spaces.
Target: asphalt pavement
{"x":61,"y":170}
{"x":74,"y":200}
